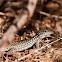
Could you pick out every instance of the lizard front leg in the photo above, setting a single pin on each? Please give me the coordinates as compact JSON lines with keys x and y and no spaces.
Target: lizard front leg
{"x":37,"y":43}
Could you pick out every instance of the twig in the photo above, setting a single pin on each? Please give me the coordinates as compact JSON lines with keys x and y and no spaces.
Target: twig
{"x":58,"y":1}
{"x":58,"y":27}
{"x":45,"y":45}
{"x":1,"y":13}
{"x":19,"y":22}
{"x":49,"y":15}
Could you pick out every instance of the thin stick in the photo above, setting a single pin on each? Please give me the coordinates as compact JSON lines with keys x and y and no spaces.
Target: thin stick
{"x":49,"y":15}
{"x":19,"y":22}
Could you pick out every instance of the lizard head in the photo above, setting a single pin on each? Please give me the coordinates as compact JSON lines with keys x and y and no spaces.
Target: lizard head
{"x":48,"y":32}
{"x":44,"y":33}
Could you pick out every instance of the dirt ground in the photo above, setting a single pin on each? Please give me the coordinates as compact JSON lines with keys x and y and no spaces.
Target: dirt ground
{"x":10,"y":9}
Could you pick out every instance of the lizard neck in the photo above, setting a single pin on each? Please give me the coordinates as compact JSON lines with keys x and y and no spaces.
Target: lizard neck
{"x":36,"y":38}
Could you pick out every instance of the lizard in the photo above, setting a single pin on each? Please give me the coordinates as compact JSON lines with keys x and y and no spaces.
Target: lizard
{"x":23,"y":45}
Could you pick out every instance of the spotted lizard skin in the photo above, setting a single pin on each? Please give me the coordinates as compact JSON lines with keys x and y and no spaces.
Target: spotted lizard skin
{"x":20,"y":46}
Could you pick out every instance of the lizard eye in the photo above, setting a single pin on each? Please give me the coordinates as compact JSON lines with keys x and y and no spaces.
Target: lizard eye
{"x":45,"y":31}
